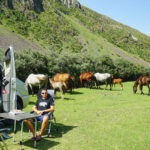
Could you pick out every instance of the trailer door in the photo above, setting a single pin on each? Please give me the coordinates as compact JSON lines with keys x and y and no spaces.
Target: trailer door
{"x":9,"y":94}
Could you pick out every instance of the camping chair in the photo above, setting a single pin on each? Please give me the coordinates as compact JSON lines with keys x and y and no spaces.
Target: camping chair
{"x":52,"y":117}
{"x":3,"y":136}
{"x":3,"y":145}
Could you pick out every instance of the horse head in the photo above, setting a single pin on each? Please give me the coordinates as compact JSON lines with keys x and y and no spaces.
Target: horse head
{"x":135,"y":88}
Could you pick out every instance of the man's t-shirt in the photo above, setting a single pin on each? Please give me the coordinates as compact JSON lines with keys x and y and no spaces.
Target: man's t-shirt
{"x":43,"y":104}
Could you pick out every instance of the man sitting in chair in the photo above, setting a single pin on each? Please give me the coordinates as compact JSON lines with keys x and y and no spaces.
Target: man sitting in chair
{"x":43,"y":107}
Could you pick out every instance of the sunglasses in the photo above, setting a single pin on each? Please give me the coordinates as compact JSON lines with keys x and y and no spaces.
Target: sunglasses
{"x":44,"y":93}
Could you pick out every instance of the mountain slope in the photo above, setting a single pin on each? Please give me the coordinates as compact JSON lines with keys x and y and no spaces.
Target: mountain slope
{"x":129,"y":39}
{"x":8,"y":38}
{"x":100,"y":45}
{"x":50,"y":26}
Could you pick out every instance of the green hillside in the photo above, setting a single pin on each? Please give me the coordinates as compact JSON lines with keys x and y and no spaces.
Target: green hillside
{"x":128,"y":39}
{"x":66,"y":27}
{"x":48,"y":27}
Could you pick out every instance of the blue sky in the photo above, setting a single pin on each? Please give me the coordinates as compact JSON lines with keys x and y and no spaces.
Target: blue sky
{"x":134,"y":13}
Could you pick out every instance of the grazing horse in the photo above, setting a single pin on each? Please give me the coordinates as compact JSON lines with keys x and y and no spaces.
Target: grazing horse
{"x":64,"y":77}
{"x":104,"y":77}
{"x":142,"y":80}
{"x":117,"y":81}
{"x":58,"y":85}
{"x":39,"y":80}
{"x":87,"y":77}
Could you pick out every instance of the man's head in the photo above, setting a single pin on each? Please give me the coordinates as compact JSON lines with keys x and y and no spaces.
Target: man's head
{"x":44,"y":93}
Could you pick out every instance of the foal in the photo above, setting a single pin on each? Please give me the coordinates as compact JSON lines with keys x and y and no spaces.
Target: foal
{"x":58,"y":85}
{"x":117,"y":81}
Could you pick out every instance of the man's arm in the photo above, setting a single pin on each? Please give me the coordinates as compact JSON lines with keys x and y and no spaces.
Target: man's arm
{"x":34,"y":108}
{"x":50,"y":109}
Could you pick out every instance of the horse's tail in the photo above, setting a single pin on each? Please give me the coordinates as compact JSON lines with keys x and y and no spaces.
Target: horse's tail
{"x":26,"y":82}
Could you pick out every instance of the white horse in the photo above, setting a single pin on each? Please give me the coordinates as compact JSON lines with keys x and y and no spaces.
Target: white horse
{"x":39,"y":80}
{"x":107,"y":77}
{"x":58,"y":85}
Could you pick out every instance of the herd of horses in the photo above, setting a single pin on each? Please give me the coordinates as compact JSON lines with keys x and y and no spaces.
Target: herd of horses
{"x":64,"y":81}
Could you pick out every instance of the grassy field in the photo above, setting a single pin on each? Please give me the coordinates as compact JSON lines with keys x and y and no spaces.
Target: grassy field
{"x":97,"y":119}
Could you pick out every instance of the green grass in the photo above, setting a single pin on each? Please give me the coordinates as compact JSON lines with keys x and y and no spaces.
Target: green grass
{"x":97,"y":119}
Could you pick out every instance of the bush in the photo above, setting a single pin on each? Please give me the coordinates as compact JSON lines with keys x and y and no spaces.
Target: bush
{"x":53,"y":62}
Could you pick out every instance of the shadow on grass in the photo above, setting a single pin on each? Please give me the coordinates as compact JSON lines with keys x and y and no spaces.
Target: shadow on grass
{"x":108,"y":89}
{"x":59,"y":129}
{"x":44,"y":144}
{"x":59,"y":97}
{"x":76,"y":93}
{"x":142,"y":94}
{"x":31,"y":103}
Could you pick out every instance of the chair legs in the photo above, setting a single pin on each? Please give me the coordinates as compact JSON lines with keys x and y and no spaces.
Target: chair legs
{"x":49,"y":128}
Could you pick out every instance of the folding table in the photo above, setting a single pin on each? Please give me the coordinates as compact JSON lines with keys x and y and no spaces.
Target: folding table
{"x":20,"y":117}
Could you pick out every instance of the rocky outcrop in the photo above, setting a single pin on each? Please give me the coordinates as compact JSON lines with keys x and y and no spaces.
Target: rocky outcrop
{"x":36,"y":5}
{"x":70,"y":3}
{"x":22,"y":5}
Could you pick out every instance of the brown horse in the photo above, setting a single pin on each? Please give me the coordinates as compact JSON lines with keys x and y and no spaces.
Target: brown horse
{"x":87,"y":77}
{"x":142,"y":80}
{"x":66,"y":78}
{"x":58,"y":85}
{"x":117,"y":81}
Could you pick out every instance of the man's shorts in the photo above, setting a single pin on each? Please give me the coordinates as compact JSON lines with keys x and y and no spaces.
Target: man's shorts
{"x":40,"y":118}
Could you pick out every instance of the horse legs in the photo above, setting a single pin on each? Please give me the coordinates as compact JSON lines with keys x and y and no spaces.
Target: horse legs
{"x":141,"y":88}
{"x":106,"y":84}
{"x":80,"y":82}
{"x":148,"y":89}
{"x":110,"y":83}
{"x":95,"y":84}
{"x":54,"y":93}
{"x":31,"y":87}
{"x":121,"y":85}
{"x":62,"y":93}
{"x":113,"y":85}
{"x":110,"y":86}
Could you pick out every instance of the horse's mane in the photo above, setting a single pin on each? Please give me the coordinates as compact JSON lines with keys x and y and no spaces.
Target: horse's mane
{"x":136,"y":82}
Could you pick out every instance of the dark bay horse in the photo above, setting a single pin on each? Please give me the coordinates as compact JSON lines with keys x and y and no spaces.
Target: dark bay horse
{"x":142,"y":81}
{"x":86,"y":77}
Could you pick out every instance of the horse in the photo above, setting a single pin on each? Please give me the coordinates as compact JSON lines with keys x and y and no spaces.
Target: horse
{"x":117,"y":81}
{"x":58,"y":85}
{"x":36,"y":80}
{"x":142,"y":81}
{"x":107,"y":77}
{"x":64,"y":77}
{"x":86,"y":77}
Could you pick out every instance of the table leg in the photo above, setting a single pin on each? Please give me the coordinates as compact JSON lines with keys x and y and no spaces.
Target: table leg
{"x":14,"y":130}
{"x":21,"y":135}
{"x":35,"y":127}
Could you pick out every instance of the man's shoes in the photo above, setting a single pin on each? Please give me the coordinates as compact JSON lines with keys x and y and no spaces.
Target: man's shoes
{"x":38,"y":138}
{"x":33,"y":138}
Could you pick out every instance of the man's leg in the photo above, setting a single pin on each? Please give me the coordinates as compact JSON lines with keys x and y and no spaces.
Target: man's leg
{"x":44,"y":124}
{"x":30,"y":126}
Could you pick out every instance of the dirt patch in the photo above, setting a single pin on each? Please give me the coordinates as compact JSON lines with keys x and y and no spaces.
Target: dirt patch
{"x":8,"y":38}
